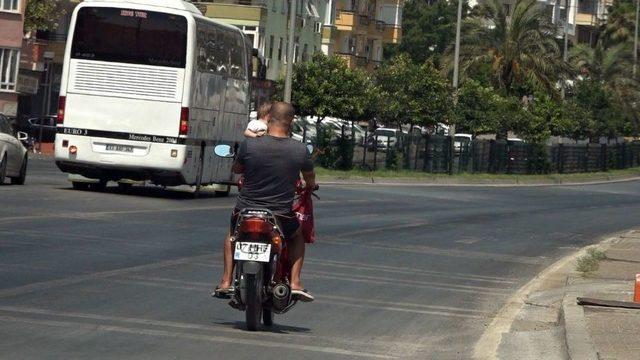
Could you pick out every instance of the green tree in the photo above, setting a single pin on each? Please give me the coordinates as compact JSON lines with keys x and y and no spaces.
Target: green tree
{"x":412,"y":93}
{"x":608,"y":77}
{"x":475,"y":109}
{"x":620,"y":24}
{"x":428,"y":27}
{"x":43,"y":15}
{"x":520,"y":47}
{"x":325,"y":86}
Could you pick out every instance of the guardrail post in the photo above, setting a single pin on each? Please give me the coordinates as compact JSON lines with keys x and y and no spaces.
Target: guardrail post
{"x":364,"y":151}
{"x":375,"y":152}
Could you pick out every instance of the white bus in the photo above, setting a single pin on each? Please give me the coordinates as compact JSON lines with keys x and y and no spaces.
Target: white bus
{"x":149,"y":88}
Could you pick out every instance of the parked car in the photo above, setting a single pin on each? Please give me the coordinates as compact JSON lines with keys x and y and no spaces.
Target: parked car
{"x":385,"y":136}
{"x":13,"y":154}
{"x":460,"y":140}
{"x":47,"y":124}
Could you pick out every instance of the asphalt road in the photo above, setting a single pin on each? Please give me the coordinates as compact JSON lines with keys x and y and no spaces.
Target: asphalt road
{"x":404,"y":272}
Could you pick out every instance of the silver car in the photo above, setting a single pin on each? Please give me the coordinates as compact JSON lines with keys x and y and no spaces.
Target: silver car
{"x":13,"y":155}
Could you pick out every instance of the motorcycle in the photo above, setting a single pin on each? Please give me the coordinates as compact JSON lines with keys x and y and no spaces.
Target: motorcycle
{"x":261,"y":265}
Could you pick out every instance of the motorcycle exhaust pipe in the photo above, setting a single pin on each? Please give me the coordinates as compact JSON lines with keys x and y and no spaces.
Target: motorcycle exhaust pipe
{"x":281,"y":296}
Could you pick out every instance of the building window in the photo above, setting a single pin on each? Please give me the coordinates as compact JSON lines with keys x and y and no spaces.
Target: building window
{"x":280,"y":50}
{"x":271,"y":47}
{"x":10,"y":5}
{"x":275,"y":6}
{"x":9,"y":60}
{"x":318,"y":27}
{"x":305,"y":54}
{"x":284,"y":7}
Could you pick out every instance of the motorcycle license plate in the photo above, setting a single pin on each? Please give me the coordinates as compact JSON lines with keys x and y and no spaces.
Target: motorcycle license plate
{"x":252,"y":251}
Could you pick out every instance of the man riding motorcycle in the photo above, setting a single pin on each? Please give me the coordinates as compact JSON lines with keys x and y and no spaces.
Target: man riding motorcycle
{"x":271,"y":166}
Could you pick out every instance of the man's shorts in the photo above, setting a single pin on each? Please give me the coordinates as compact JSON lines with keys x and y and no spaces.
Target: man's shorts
{"x":288,"y":223}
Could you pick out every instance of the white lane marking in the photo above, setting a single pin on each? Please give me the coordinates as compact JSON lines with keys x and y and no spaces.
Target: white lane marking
{"x":399,"y":309}
{"x":75,"y":215}
{"x":46,"y":285}
{"x":319,"y":299}
{"x":407,"y":283}
{"x":402,"y":304}
{"x":209,"y":338}
{"x":341,"y":341}
{"x":405,"y":270}
{"x":421,"y":249}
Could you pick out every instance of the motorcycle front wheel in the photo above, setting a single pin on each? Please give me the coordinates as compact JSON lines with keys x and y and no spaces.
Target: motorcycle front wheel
{"x":253,"y":302}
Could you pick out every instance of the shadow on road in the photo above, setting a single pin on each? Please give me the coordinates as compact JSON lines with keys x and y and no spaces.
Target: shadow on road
{"x":152,"y":192}
{"x":276,"y":328}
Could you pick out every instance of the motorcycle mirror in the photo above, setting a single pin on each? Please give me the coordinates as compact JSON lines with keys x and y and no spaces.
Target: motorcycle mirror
{"x":22,"y":136}
{"x":310,"y":148}
{"x":223,"y":151}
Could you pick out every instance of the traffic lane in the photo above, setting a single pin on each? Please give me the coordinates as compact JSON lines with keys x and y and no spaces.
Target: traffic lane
{"x":343,"y":285}
{"x":380,"y":318}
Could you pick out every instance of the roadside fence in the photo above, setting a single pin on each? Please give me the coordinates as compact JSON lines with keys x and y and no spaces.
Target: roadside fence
{"x":344,"y":150}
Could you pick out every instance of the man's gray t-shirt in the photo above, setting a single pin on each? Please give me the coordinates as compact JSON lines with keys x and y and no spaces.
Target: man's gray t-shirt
{"x":272,"y":167}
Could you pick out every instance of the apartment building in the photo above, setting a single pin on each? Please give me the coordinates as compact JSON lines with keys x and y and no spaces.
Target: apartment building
{"x":360,"y":29}
{"x":266,"y":22}
{"x":11,"y":27}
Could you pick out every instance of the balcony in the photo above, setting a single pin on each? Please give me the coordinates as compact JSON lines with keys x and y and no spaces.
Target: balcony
{"x":354,"y":61}
{"x":248,"y":10}
{"x":392,"y":34}
{"x":586,"y":19}
{"x":345,"y":20}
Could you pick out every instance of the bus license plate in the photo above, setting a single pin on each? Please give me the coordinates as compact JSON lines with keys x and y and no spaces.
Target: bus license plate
{"x":252,"y":251}
{"x":120,"y":148}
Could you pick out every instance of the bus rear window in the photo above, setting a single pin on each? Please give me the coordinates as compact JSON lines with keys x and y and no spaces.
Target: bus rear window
{"x":130,"y":36}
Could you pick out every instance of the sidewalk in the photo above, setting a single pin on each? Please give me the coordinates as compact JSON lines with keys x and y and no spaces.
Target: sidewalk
{"x":614,"y":331}
{"x":544,"y":321}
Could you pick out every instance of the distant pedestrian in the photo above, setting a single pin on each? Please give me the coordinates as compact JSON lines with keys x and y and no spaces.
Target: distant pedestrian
{"x":258,"y":127}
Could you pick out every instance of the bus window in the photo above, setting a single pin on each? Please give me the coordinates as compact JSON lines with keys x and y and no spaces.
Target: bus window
{"x":236,"y":56}
{"x":130,"y":36}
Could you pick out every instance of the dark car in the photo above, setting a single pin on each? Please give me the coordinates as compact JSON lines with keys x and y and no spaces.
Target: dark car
{"x":46,"y":124}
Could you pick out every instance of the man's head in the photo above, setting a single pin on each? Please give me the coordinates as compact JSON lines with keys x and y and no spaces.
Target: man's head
{"x":280,"y":116}
{"x":263,"y":111}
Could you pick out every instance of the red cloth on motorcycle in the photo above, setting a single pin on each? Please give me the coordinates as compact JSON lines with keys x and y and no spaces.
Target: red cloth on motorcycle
{"x":303,"y":207}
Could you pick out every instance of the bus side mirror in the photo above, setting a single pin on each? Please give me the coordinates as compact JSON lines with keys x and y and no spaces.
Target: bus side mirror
{"x":310,"y":148}
{"x":223,"y":151}
{"x":22,"y":136}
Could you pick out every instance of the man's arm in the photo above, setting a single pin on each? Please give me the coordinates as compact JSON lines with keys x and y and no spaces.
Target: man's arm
{"x":308,"y":174}
{"x":309,"y":179}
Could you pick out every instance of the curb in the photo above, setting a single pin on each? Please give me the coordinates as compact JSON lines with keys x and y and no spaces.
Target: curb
{"x":579,"y":343}
{"x":506,"y":184}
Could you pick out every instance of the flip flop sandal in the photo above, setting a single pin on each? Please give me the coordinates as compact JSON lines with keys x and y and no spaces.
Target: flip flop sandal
{"x":302,"y":295}
{"x":221,"y":293}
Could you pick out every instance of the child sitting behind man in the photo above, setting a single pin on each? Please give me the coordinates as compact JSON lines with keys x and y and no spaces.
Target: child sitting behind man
{"x":258,"y":127}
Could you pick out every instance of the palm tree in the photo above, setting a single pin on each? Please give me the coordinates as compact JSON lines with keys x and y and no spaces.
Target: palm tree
{"x":611,"y":67}
{"x":520,"y":48}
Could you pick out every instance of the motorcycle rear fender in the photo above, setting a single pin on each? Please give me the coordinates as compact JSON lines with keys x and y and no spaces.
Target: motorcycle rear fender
{"x":251,"y":267}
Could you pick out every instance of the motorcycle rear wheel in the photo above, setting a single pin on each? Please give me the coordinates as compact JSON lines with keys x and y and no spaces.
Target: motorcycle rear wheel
{"x":253,"y":311}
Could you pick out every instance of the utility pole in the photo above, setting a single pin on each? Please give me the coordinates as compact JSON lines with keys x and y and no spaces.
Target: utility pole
{"x":456,"y":69}
{"x":565,"y":55}
{"x":292,"y":34}
{"x":456,"y":58}
{"x":635,"y":41}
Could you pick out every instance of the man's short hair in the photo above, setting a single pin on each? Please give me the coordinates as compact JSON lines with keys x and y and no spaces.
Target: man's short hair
{"x":263,"y":110}
{"x":281,"y":113}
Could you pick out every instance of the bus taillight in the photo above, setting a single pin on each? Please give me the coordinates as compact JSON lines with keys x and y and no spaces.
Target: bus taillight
{"x":184,"y":121}
{"x":62,"y":100}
